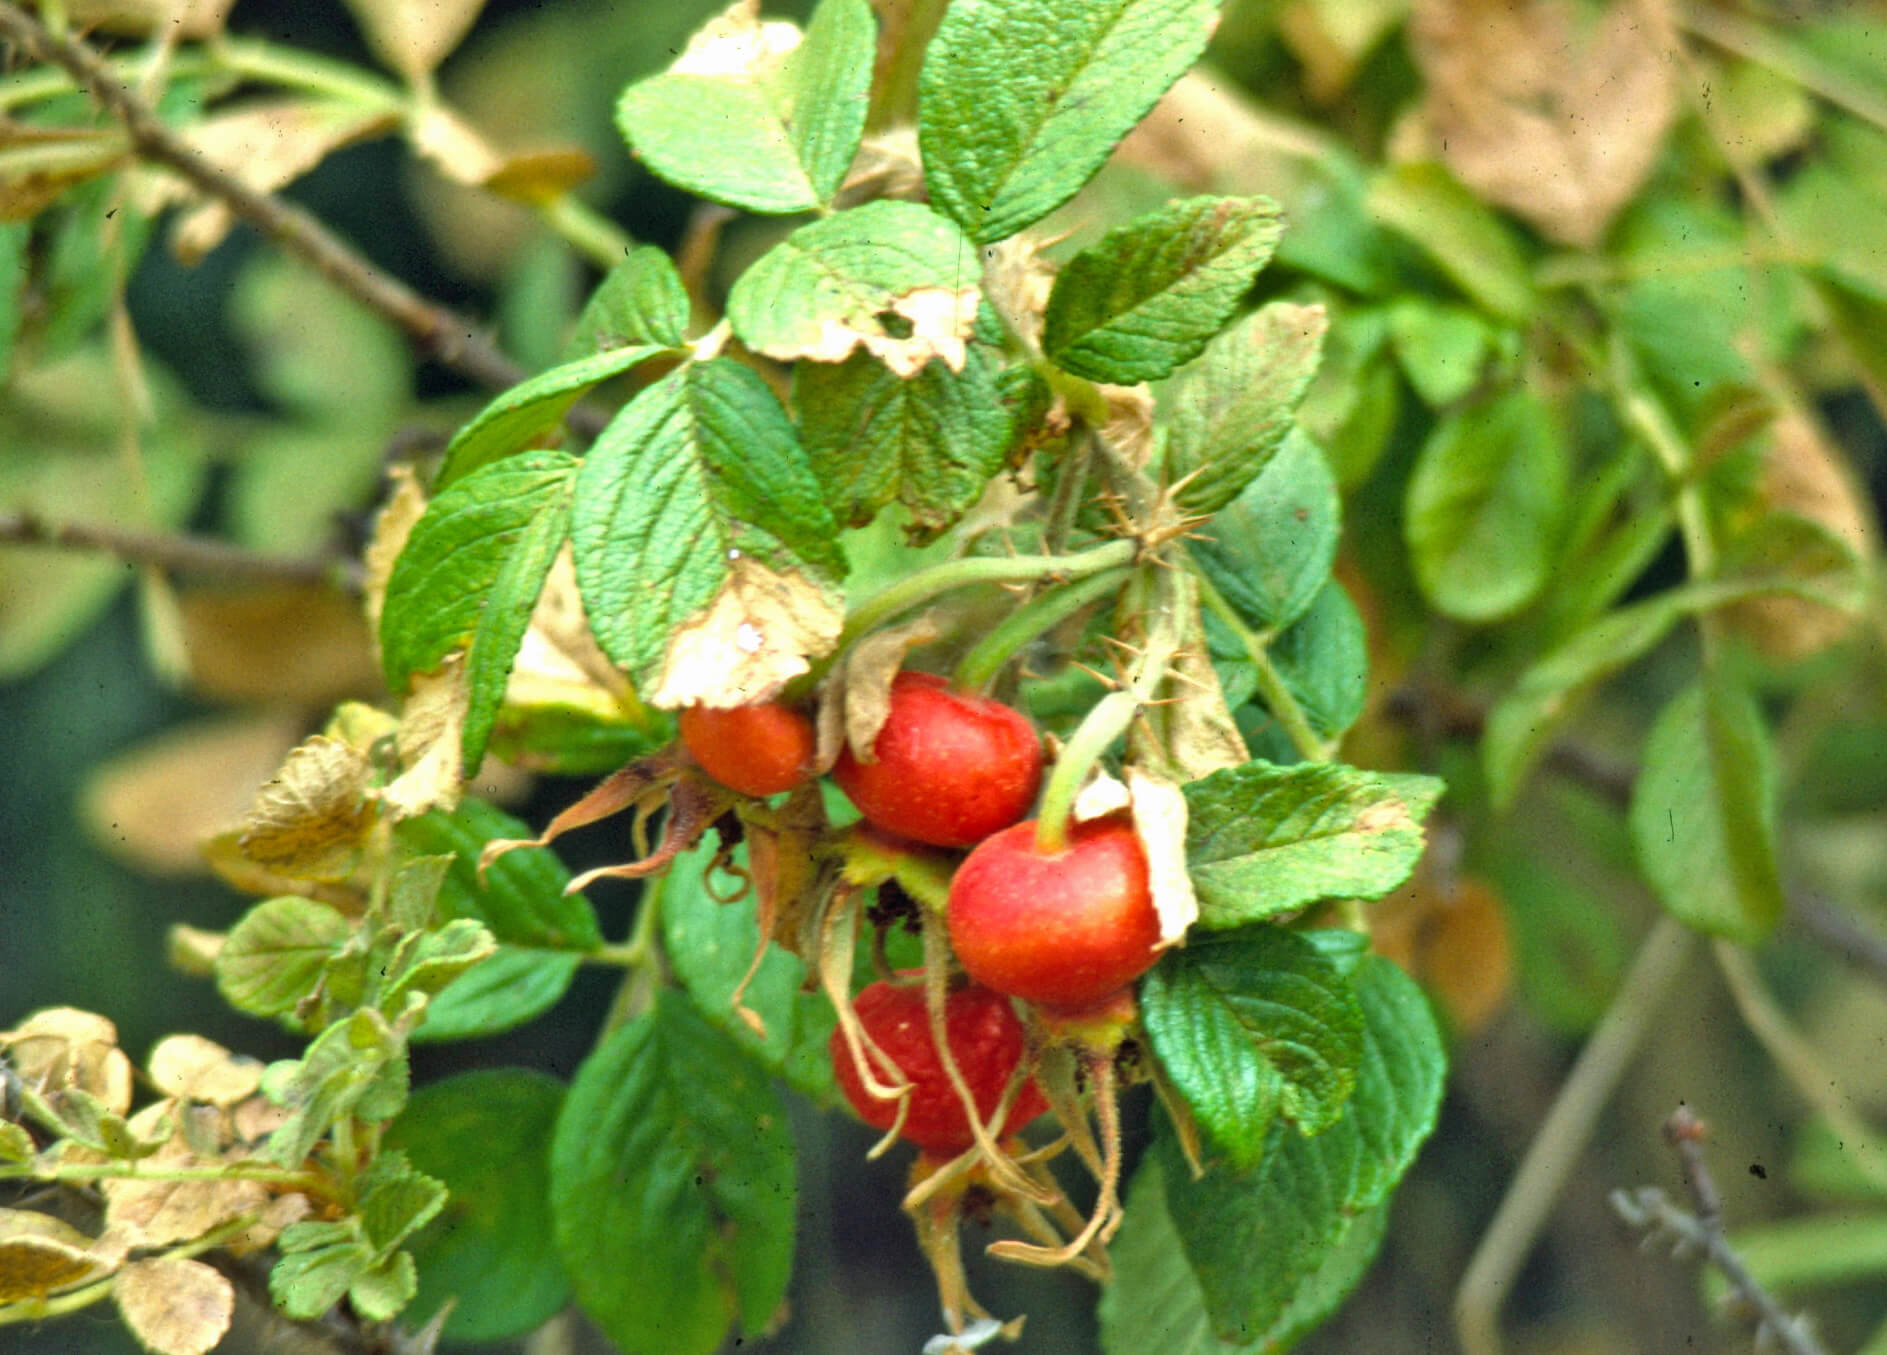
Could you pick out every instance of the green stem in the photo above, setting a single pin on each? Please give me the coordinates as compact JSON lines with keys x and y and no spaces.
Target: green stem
{"x":30,"y":1310}
{"x":592,"y":234}
{"x":313,"y":1183}
{"x":980,"y":666}
{"x":926,"y":584}
{"x":255,"y":59}
{"x":1106,"y":722}
{"x":1070,"y":489}
{"x":642,"y":960}
{"x":1271,"y":686}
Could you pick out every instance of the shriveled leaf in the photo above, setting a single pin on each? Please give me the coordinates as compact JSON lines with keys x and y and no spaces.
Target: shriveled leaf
{"x":1148,"y":296}
{"x":192,"y":1068}
{"x":64,"y":1048}
{"x":486,"y":1135}
{"x":640,"y":301}
{"x":1229,"y":411}
{"x":1007,"y":141}
{"x":1265,"y":840}
{"x":309,"y":821}
{"x":1484,"y":506}
{"x":702,"y":542}
{"x":893,"y":278}
{"x":430,"y":742}
{"x":753,"y":116}
{"x":672,"y":1185}
{"x":159,"y":1212}
{"x":1560,"y":129}
{"x":1703,"y":814}
{"x":173,"y":1306}
{"x":1251,"y":1025}
{"x":42,"y":1255}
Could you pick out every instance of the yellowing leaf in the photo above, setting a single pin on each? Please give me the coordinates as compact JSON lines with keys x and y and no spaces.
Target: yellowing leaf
{"x":414,"y":36}
{"x":541,"y":176}
{"x":756,"y":635}
{"x":192,"y":1068}
{"x":175,"y":18}
{"x":405,"y":505}
{"x":41,"y":1255}
{"x":1557,"y":128}
{"x":286,"y":644}
{"x":309,"y":821}
{"x":432,"y":722}
{"x":174,"y":1307}
{"x":62,"y":1047}
{"x":157,"y":1213}
{"x":1452,"y":936}
{"x":454,"y":146}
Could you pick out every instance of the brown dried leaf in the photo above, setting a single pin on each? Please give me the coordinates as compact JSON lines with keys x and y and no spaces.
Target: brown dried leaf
{"x":157,"y":1213}
{"x":1205,"y":137}
{"x":414,"y":36}
{"x":939,"y":319}
{"x":39,"y":164}
{"x":888,"y":165}
{"x":642,"y":785}
{"x":454,"y":146}
{"x":1016,"y":282}
{"x":276,"y":1215}
{"x":432,"y":728}
{"x":155,"y":805}
{"x":286,"y":644}
{"x":404,"y":506}
{"x":1451,"y":935}
{"x":257,"y":1118}
{"x":1159,"y":809}
{"x":758,"y":633}
{"x":559,"y":663}
{"x":1557,"y":128}
{"x":62,"y":1047}
{"x":788,"y":880}
{"x":227,"y":860}
{"x":174,"y":1307}
{"x":1201,"y":734}
{"x":192,"y":1068}
{"x":309,"y":820}
{"x":864,"y":680}
{"x":1104,"y":794}
{"x":41,"y":1255}
{"x":186,"y":19}
{"x":541,"y":177}
{"x":694,"y":803}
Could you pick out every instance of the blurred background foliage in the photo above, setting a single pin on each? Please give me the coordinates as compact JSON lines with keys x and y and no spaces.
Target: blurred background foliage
{"x":1722,"y":253}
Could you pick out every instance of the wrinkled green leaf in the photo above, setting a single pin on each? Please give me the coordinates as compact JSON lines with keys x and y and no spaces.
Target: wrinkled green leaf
{"x":740,"y":121}
{"x":1252,"y":1025}
{"x":1269,"y":551}
{"x":1253,"y":1238}
{"x":1703,"y":814}
{"x":1021,"y":100}
{"x":639,"y":302}
{"x":672,"y":1185}
{"x":699,"y":487}
{"x":532,"y":408}
{"x":1484,"y":507}
{"x":394,"y":1200}
{"x":892,"y":277}
{"x":487,"y":1135}
{"x":1263,"y":839}
{"x":319,"y":1262}
{"x":274,"y":956}
{"x":355,"y":1066}
{"x":1149,"y":295}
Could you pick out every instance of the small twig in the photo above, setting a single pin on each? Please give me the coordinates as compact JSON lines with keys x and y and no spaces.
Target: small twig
{"x":186,"y":554}
{"x":447,"y":336}
{"x":1647,"y":1209}
{"x":1841,"y":934}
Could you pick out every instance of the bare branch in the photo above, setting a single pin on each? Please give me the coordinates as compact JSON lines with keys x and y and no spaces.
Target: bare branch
{"x":445,"y":335}
{"x":1648,"y":1210}
{"x":187,"y":554}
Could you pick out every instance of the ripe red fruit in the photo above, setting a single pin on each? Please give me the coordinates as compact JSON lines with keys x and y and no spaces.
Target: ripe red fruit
{"x":950,"y":769}
{"x":1063,"y":929}
{"x":985,"y":1039}
{"x":756,"y":750}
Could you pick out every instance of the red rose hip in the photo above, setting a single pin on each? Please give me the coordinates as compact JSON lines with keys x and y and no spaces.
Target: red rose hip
{"x":986,"y":1040}
{"x":948,"y":769}
{"x":1064,"y":928}
{"x":756,"y":750}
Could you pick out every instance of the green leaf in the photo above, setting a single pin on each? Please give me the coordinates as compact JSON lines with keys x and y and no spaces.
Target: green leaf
{"x":487,"y":1135}
{"x":532,"y":408}
{"x":358,"y":1064}
{"x":514,"y":986}
{"x":520,"y":896}
{"x":384,"y":1289}
{"x":1324,"y":660}
{"x":1255,"y":1239}
{"x":1479,"y":252}
{"x":1155,"y":1302}
{"x":16,"y":1145}
{"x":13,"y":240}
{"x":319,"y":1262}
{"x":672,"y":1185}
{"x":696,"y":514}
{"x":711,"y":945}
{"x":1021,"y":100}
{"x":742,"y":121}
{"x":274,"y":956}
{"x":1484,"y":506}
{"x":1149,"y":295}
{"x":394,"y":1200}
{"x":1269,"y":551}
{"x":1263,"y":839}
{"x":339,"y":362}
{"x":470,"y":575}
{"x":1228,"y":412}
{"x":425,"y":962}
{"x":1703,"y":814}
{"x":891,"y":277}
{"x":1442,"y":348}
{"x":641,"y":302}
{"x":931,"y":442}
{"x":1252,"y":1025}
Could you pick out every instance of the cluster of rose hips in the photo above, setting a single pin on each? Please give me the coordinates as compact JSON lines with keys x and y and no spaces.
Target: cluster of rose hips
{"x":1066,"y":927}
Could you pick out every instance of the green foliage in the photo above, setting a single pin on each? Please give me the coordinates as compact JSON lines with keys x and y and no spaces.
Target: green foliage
{"x":1269,"y":551}
{"x":639,"y":303}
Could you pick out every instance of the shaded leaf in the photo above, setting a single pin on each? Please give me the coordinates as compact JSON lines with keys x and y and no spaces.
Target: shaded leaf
{"x":1269,"y":551}
{"x":535,"y":407}
{"x":641,"y":301}
{"x":1476,"y":249}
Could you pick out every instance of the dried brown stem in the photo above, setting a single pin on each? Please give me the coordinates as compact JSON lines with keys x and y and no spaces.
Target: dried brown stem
{"x":184,"y":554}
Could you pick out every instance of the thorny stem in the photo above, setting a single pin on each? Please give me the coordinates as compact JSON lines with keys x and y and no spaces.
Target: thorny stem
{"x":1554,"y":1152}
{"x":1283,"y":706}
{"x":1064,"y":505}
{"x":987,"y":657}
{"x":450,"y":338}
